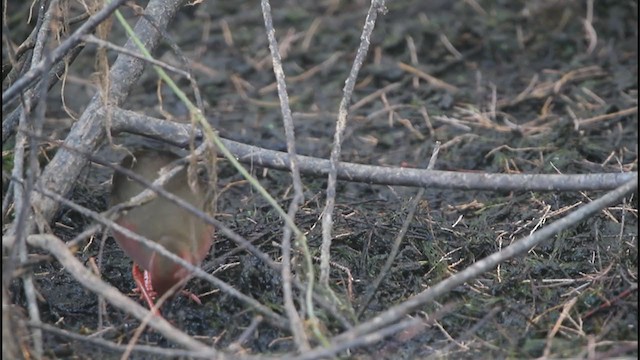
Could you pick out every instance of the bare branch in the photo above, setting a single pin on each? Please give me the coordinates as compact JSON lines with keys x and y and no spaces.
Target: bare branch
{"x":327,"y":215}
{"x":89,"y":131}
{"x":56,"y":55}
{"x":178,"y":134}
{"x":296,"y":324}
{"x":483,"y":265}
{"x":56,"y":247}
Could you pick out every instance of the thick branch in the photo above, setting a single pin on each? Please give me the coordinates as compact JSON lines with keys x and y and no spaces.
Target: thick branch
{"x":60,"y":174}
{"x":178,"y":134}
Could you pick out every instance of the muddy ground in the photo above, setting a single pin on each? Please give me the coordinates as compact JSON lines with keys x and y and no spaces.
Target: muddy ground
{"x":520,"y":88}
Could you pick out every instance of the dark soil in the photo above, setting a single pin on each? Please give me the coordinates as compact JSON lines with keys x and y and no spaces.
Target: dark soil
{"x":527,"y":84}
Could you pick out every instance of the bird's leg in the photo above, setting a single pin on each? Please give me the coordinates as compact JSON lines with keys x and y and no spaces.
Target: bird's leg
{"x":143,"y":281}
{"x":191,"y":296}
{"x":187,"y":256}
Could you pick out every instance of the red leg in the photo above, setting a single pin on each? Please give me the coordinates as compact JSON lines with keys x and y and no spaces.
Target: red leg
{"x":143,"y":281}
{"x":192,"y":296}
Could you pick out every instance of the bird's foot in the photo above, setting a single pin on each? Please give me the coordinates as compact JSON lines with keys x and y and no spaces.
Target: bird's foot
{"x":144,"y":287}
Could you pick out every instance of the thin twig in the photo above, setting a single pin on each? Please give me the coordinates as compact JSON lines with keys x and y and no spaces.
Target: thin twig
{"x":586,"y":123}
{"x":152,"y":350}
{"x":88,"y":132}
{"x":153,"y":189}
{"x":10,"y":123}
{"x":481,"y":266}
{"x":106,"y":44}
{"x":440,"y":353}
{"x":413,"y":205}
{"x":23,"y":194}
{"x":297,"y":329}
{"x":154,"y":246}
{"x":412,"y":324}
{"x":377,"y":6}
{"x":58,"y":249}
{"x":57,"y":54}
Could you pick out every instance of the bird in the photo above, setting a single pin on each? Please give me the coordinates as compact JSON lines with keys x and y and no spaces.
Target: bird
{"x":161,"y":221}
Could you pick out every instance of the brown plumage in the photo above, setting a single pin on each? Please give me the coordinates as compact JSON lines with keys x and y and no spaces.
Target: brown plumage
{"x":162,"y":221}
